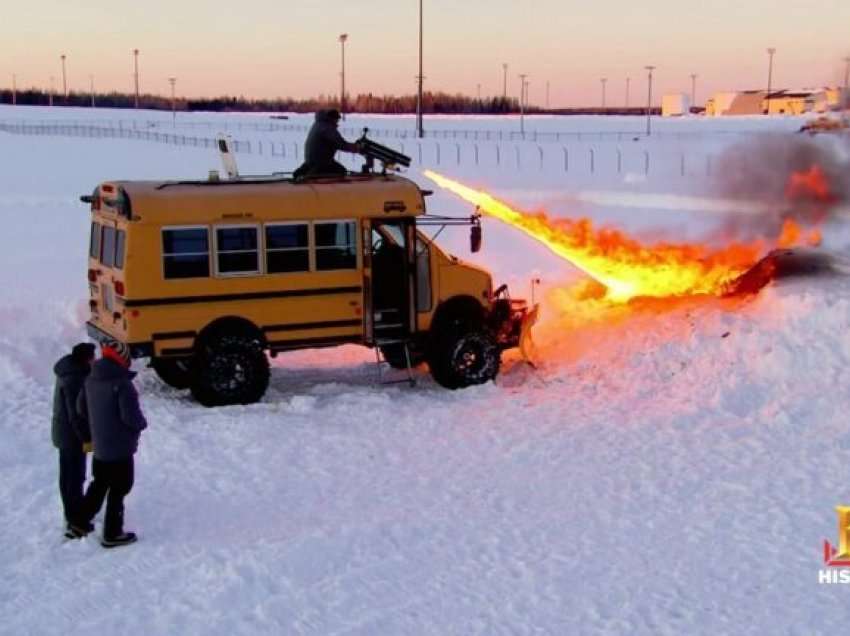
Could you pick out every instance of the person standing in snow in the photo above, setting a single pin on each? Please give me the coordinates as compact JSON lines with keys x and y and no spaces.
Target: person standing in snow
{"x":111,"y":404}
{"x":323,"y":142}
{"x":70,"y":431}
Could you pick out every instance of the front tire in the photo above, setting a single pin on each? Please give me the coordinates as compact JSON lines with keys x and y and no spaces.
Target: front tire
{"x":230,"y":370}
{"x":465,"y":360}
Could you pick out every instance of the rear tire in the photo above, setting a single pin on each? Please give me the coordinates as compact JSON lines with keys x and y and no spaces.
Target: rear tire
{"x":465,"y":359}
{"x":232,"y":369}
{"x":175,"y":372}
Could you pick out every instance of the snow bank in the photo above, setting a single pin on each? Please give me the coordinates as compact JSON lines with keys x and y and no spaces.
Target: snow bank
{"x":662,"y":472}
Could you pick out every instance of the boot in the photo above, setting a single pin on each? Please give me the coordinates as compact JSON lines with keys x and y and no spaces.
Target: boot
{"x":77,"y":530}
{"x":125,"y":538}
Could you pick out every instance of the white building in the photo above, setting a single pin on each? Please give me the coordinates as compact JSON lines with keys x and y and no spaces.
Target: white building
{"x":675,"y":105}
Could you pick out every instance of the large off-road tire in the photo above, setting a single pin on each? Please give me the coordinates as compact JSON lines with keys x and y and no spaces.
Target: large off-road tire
{"x":231,"y":369}
{"x":394,"y":355}
{"x":175,"y":372}
{"x":464,"y":359}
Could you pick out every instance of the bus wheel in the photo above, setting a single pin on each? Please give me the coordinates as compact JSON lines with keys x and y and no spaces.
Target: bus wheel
{"x":232,"y":369}
{"x":465,"y":359}
{"x":394,"y":355}
{"x":175,"y":372}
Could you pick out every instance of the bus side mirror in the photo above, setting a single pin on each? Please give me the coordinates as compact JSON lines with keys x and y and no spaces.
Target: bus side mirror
{"x":475,"y":238}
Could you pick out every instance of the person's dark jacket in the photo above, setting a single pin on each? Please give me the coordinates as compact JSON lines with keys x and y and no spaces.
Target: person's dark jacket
{"x":323,"y":142}
{"x":111,"y":404}
{"x":69,"y":429}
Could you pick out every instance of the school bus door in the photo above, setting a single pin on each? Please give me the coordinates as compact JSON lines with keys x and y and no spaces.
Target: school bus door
{"x":389,"y":282}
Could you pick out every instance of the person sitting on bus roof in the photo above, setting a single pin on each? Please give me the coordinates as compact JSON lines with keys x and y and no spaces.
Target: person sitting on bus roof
{"x":323,"y":142}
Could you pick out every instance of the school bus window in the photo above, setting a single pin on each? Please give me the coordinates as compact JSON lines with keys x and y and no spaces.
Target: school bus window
{"x":120,"y":246}
{"x":185,"y":252}
{"x":94,"y":241}
{"x":287,"y":248}
{"x":237,"y":250}
{"x":336,"y":246}
{"x":107,"y":247}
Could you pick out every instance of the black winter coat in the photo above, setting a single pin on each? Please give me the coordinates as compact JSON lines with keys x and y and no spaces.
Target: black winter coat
{"x":111,"y":404}
{"x":323,"y":142}
{"x":69,"y":429}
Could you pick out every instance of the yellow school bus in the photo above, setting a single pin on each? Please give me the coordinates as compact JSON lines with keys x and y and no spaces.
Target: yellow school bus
{"x":205,"y":278}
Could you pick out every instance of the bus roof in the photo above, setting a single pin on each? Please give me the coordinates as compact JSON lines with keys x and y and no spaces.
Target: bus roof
{"x":270,"y":198}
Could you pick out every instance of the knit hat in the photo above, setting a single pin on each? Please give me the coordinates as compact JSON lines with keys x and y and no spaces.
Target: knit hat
{"x":114,"y":348}
{"x":83,"y":351}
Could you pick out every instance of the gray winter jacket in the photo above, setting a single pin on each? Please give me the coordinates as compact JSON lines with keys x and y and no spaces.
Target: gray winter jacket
{"x":69,"y":429}
{"x":111,"y":404}
{"x":323,"y":142}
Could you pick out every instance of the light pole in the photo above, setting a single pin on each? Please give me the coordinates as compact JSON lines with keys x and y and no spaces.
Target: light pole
{"x":649,"y":101}
{"x":505,"y":81}
{"x":136,"y":74}
{"x":522,"y":104}
{"x":50,"y":96}
{"x":173,"y":81}
{"x":628,"y":83}
{"x":342,"y":39}
{"x":547,"y":94}
{"x":14,"y":89}
{"x":420,"y":132}
{"x":604,"y":81}
{"x":91,"y":86}
{"x":846,"y":89}
{"x":479,"y":92}
{"x":64,"y":79}
{"x":693,"y":90}
{"x":770,"y":53}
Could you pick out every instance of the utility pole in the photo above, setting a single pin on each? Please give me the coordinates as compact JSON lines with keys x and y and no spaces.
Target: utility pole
{"x":419,"y":130}
{"x":522,"y":104}
{"x":604,"y":81}
{"x":628,"y":82}
{"x":649,"y":101}
{"x":770,"y":53}
{"x":50,"y":95}
{"x":342,"y":39}
{"x":136,"y":74}
{"x":15,"y":89}
{"x":173,"y":81}
{"x":479,"y":92}
{"x":505,"y":81}
{"x":64,"y":79}
{"x":693,"y":90}
{"x":91,"y":86}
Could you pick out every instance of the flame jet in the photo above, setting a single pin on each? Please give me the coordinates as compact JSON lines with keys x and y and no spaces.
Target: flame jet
{"x":623,"y":265}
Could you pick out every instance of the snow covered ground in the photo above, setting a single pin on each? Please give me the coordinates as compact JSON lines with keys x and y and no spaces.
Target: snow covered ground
{"x":665,"y":471}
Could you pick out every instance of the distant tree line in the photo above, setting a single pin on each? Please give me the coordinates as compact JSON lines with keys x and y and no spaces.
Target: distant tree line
{"x":432,"y":103}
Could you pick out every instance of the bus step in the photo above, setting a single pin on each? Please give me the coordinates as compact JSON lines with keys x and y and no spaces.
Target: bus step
{"x":381,"y":362}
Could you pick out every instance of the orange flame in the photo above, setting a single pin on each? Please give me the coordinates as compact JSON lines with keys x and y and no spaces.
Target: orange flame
{"x":623,"y":265}
{"x":809,"y":184}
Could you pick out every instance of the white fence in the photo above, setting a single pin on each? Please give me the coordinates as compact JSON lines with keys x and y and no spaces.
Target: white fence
{"x":455,"y":134}
{"x":111,"y":132}
{"x":579,"y":158}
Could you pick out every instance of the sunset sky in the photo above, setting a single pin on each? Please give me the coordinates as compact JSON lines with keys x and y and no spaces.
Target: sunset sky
{"x":265,"y":48}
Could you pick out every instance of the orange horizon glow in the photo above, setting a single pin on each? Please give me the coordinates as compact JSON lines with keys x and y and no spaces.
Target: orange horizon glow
{"x":265,"y":49}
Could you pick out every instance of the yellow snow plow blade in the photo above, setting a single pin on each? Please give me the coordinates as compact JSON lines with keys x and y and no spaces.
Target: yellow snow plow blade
{"x":526,"y":342}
